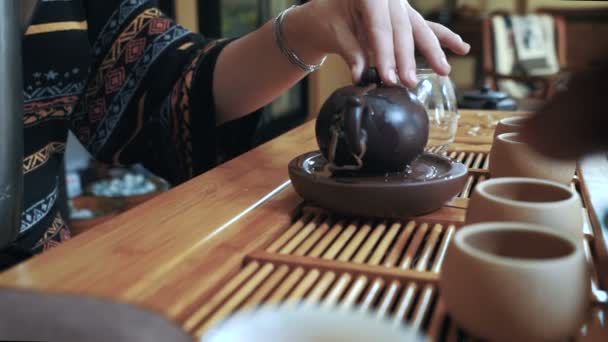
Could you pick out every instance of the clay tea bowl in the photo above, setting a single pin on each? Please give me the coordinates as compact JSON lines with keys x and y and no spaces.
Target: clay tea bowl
{"x":512,"y":157}
{"x":511,"y":124}
{"x":512,"y":281}
{"x":528,"y":200}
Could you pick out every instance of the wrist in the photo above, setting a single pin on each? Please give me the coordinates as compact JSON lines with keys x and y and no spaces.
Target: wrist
{"x":300,"y":34}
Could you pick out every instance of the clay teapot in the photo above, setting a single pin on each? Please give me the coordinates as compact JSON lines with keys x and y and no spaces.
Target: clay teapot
{"x":486,"y":98}
{"x":372,"y":127}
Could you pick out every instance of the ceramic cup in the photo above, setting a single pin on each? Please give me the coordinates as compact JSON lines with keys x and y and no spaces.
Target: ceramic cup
{"x":527,"y":200}
{"x":511,"y":157}
{"x":511,"y":281}
{"x":509,"y":125}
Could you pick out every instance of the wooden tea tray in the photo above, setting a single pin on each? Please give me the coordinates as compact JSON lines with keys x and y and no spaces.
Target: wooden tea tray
{"x":593,"y":173}
{"x":239,"y":236}
{"x":387,"y":267}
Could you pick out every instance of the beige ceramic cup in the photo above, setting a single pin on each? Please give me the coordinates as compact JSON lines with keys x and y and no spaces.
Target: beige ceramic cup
{"x":509,"y":125}
{"x":528,"y":200}
{"x":511,"y":281}
{"x":511,"y":157}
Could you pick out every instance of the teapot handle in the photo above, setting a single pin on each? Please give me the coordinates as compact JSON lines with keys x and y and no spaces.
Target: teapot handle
{"x":355,"y":136}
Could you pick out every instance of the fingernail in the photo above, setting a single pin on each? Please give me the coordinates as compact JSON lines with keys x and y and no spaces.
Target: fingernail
{"x":357,"y":71}
{"x":393,"y":76}
{"x":445,"y":63}
{"x":355,"y":74}
{"x":411,"y":75}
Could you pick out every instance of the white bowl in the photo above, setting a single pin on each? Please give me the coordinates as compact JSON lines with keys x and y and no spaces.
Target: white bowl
{"x":307,"y":324}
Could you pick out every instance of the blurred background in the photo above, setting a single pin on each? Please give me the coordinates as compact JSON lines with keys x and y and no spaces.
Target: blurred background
{"x":523,"y":48}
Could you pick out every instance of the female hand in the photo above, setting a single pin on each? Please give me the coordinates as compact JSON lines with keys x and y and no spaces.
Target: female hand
{"x":380,"y":33}
{"x":383,"y":33}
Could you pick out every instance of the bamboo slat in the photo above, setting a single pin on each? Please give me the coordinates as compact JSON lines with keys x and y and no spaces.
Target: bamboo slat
{"x":295,"y":294}
{"x":358,"y":264}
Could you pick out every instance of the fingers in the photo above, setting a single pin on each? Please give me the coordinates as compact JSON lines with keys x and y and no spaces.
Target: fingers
{"x":361,"y":37}
{"x":403,"y":42}
{"x":428,"y":44}
{"x":353,"y":53}
{"x":390,"y":31}
{"x":449,"y":39}
{"x":379,"y":32}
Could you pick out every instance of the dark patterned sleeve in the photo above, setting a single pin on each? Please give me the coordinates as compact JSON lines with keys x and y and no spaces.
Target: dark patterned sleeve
{"x":149,"y":97}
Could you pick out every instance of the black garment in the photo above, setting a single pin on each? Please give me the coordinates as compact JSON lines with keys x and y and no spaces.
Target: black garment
{"x":133,"y":86}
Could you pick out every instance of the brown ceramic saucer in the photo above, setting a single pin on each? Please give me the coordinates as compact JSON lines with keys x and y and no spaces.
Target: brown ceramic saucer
{"x":34,"y":316}
{"x":430,"y":182}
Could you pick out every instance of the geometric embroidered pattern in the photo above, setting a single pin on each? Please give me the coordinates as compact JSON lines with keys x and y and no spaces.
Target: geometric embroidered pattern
{"x":114,"y":80}
{"x":109,"y":31}
{"x":135,"y":49}
{"x":131,"y":84}
{"x":104,"y":82}
{"x":96,"y":84}
{"x":53,"y":91}
{"x":140,"y":123}
{"x":36,"y":160}
{"x":125,"y":38}
{"x":180,"y":106}
{"x":48,"y":244}
{"x":97,"y":110}
{"x":159,"y":25}
{"x":36,"y":112}
{"x":175,"y":115}
{"x":34,"y":214}
{"x":58,"y":227}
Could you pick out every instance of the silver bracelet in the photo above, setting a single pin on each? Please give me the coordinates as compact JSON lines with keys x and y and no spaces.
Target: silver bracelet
{"x":282,"y":44}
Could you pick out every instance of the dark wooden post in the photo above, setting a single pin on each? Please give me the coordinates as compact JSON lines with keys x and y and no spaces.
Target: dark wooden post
{"x":11,"y":121}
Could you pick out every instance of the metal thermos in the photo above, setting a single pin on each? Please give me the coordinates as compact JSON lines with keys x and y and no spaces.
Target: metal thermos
{"x":11,"y":120}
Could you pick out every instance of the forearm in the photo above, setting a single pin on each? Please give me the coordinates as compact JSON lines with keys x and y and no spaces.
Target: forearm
{"x":252,"y":71}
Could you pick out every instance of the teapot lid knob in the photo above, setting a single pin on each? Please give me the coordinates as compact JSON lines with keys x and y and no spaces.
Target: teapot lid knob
{"x":370,"y":76}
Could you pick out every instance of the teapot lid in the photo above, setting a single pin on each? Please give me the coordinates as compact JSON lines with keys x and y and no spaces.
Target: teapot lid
{"x":485,"y":93}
